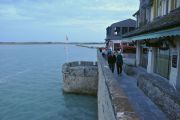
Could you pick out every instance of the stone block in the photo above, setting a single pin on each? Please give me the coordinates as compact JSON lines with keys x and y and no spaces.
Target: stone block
{"x":129,"y":70}
{"x":80,"y":79}
{"x":161,"y":93}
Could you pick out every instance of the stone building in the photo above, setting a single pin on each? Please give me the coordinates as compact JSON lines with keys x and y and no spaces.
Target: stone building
{"x":157,"y":39}
{"x":143,"y":14}
{"x":116,"y":30}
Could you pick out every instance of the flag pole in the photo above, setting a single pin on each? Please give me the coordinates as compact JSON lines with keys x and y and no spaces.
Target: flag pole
{"x":66,"y":49}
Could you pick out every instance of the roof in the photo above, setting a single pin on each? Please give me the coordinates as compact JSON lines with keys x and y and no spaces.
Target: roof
{"x":125,"y":23}
{"x":159,"y":34}
{"x":137,"y":12}
{"x":168,"y":21}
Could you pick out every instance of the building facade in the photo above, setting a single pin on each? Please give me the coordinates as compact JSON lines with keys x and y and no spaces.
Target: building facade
{"x":158,"y":38}
{"x":116,"y":30}
{"x":143,"y":15}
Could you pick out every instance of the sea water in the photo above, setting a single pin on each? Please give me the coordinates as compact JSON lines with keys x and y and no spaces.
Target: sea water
{"x":31,"y":83}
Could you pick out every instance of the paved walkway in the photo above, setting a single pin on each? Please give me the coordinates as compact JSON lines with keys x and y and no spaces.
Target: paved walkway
{"x":144,"y":107}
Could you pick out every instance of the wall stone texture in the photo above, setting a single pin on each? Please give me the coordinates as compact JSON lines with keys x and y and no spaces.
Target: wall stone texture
{"x":129,"y":70}
{"x":80,"y":77}
{"x":161,"y":93}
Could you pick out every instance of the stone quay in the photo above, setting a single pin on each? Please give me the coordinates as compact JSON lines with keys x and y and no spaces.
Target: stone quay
{"x":96,"y":79}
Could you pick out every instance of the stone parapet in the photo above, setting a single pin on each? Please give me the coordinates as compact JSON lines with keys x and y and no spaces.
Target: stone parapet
{"x":161,"y":93}
{"x":129,"y":70}
{"x":113,"y":104}
{"x":80,"y":77}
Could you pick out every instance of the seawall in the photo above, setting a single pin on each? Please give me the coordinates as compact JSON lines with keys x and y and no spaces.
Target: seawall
{"x":80,"y":77}
{"x":113,"y":104}
{"x":91,"y":78}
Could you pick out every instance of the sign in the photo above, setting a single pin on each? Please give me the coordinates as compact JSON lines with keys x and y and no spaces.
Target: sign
{"x":174,"y":61}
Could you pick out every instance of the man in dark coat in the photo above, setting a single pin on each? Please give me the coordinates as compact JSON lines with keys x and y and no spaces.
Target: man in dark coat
{"x":111,"y":61}
{"x":119,"y":63}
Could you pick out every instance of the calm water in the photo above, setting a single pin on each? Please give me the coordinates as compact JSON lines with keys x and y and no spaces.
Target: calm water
{"x":31,"y":84}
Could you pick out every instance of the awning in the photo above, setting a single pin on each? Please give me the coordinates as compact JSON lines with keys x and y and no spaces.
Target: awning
{"x":162,"y":33}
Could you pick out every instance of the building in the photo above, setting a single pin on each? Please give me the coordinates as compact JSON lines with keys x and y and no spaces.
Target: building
{"x":143,"y":14}
{"x":116,"y":30}
{"x":157,"y":39}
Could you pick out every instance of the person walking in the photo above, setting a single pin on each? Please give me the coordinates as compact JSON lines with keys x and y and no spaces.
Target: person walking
{"x":111,"y":61}
{"x":109,"y":52}
{"x":119,"y":63}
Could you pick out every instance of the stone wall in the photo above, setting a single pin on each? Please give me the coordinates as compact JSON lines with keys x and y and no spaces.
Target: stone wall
{"x":129,"y":69}
{"x":80,"y":77}
{"x":161,"y":93}
{"x":113,"y":104}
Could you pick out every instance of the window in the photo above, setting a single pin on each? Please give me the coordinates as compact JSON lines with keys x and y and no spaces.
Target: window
{"x":159,"y":8}
{"x":148,"y":14}
{"x":167,"y":6}
{"x":124,"y":30}
{"x":131,"y":29}
{"x":117,"y":31}
{"x":164,"y":7}
{"x":162,"y":63}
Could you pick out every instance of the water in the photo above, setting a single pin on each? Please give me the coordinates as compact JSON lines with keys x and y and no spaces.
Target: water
{"x":31,"y":84}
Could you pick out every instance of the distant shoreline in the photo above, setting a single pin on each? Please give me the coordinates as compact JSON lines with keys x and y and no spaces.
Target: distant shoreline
{"x":34,"y":43}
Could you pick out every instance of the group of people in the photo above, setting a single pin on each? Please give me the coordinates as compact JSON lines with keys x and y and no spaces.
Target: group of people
{"x":114,"y":58}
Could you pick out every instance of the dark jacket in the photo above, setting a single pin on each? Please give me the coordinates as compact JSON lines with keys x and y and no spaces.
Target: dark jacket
{"x":111,"y":59}
{"x":119,"y":59}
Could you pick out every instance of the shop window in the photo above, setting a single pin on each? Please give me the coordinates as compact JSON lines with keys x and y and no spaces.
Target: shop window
{"x":162,"y":63}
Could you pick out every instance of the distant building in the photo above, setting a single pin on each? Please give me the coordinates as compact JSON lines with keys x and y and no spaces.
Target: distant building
{"x":158,"y":38}
{"x":116,"y":30}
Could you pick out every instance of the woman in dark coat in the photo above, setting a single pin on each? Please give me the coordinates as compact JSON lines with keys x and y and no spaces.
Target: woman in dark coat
{"x":111,"y":61}
{"x":119,"y":63}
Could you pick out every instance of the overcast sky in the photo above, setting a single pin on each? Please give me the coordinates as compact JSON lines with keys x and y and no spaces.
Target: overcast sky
{"x":52,"y":20}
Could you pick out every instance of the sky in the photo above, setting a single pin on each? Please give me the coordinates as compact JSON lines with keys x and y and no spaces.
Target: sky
{"x":52,"y":20}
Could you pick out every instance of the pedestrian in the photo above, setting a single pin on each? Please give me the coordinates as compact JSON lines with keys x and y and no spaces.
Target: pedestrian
{"x":111,"y":61}
{"x":119,"y":63}
{"x":104,"y":53}
{"x":115,"y":52}
{"x":109,"y":52}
